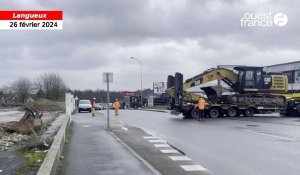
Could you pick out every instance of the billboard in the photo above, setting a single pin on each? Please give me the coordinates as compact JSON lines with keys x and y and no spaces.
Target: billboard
{"x":159,"y":87}
{"x":129,"y":93}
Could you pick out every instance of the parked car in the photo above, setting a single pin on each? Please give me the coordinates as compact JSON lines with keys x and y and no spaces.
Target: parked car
{"x":110,"y":106}
{"x":84,"y":105}
{"x":99,"y":106}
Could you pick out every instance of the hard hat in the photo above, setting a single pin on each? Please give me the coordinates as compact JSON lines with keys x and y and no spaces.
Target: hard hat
{"x":116,"y":99}
{"x":94,"y":98}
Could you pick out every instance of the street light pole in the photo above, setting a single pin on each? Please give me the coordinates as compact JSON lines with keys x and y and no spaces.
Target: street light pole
{"x":140,"y":62}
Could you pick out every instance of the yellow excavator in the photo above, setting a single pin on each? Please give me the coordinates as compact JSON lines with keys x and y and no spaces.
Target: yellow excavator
{"x":250,"y":90}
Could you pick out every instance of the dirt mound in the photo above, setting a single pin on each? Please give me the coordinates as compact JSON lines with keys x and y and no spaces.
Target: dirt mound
{"x":47,"y":105}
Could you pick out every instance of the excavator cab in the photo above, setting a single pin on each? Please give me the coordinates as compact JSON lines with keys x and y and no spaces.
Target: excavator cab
{"x":255,"y":80}
{"x":249,"y":79}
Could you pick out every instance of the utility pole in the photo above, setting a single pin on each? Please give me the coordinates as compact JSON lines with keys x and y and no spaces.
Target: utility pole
{"x":140,"y":62}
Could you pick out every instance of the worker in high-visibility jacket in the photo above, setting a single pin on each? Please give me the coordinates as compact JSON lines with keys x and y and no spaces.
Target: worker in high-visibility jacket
{"x":201,"y":106}
{"x":117,"y":106}
{"x":94,"y":107}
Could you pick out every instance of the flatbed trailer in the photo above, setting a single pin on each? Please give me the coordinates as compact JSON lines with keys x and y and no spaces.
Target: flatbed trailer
{"x":269,"y":94}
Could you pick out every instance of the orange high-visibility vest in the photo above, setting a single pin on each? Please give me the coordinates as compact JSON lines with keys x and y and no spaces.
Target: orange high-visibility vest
{"x":201,"y":104}
{"x":117,"y":105}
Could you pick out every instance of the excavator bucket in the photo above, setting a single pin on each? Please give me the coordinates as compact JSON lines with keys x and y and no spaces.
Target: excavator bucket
{"x":31,"y":121}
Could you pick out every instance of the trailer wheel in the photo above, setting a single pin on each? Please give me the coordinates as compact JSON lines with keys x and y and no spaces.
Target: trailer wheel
{"x":298,"y":108}
{"x":195,"y":113}
{"x":214,"y":113}
{"x":249,"y":112}
{"x":233,"y":112}
{"x":186,"y":114}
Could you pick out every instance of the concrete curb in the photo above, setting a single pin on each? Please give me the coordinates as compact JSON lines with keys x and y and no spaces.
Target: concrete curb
{"x":51,"y":160}
{"x":154,"y":110}
{"x":136,"y":155}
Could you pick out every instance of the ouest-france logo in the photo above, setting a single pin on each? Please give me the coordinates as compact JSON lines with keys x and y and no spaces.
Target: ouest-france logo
{"x":267,"y":19}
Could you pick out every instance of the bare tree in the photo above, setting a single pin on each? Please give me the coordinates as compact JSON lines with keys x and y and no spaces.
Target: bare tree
{"x":52,"y":86}
{"x":100,"y":95}
{"x":8,"y":97}
{"x":4,"y":91}
{"x":22,"y":87}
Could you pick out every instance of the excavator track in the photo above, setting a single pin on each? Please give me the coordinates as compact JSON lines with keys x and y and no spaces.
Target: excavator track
{"x":265,"y":100}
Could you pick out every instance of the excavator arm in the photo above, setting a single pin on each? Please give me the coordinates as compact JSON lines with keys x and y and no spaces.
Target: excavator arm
{"x":226,"y":75}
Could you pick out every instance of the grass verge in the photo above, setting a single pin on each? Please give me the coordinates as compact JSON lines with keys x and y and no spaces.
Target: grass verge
{"x":158,"y":107}
{"x":33,"y":161}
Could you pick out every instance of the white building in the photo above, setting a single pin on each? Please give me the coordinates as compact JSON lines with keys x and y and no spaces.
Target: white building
{"x":291,"y":70}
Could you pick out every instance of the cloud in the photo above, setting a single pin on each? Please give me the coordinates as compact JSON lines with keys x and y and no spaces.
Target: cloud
{"x":168,"y":36}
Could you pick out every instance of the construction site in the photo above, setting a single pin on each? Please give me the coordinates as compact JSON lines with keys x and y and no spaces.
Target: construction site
{"x":131,"y":87}
{"x":246,"y":91}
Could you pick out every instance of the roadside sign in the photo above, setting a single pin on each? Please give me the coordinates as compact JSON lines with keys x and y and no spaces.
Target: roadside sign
{"x":159,"y":87}
{"x":108,"y":77}
{"x":150,"y":102}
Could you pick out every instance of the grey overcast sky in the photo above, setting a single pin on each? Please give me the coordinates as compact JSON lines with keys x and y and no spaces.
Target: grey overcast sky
{"x":168,"y":36}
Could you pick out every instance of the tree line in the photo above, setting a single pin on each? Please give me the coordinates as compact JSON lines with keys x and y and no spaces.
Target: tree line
{"x":49,"y":85}
{"x":100,"y":95}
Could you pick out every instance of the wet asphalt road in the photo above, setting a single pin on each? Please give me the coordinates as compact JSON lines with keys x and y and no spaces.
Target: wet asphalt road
{"x":229,"y":146}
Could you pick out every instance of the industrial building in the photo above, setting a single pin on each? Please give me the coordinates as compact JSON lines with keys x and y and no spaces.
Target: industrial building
{"x":291,"y":70}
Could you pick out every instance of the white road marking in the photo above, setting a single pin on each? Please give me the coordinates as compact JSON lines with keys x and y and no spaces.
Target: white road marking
{"x":126,"y":129}
{"x":85,"y":126}
{"x":116,"y":125}
{"x":161,"y":145}
{"x":157,"y":141}
{"x":150,"y":137}
{"x":167,"y":151}
{"x":270,"y":135}
{"x":179,"y":158}
{"x":193,"y":168}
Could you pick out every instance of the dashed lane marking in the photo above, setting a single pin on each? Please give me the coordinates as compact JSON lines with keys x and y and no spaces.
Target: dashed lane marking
{"x":179,"y":158}
{"x":161,"y":145}
{"x":86,"y":126}
{"x":150,"y":137}
{"x":193,"y":168}
{"x":116,"y":125}
{"x":269,"y":135}
{"x":167,"y":151}
{"x":157,"y":141}
{"x":124,"y":128}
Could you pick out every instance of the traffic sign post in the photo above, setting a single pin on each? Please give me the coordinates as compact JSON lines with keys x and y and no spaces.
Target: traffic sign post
{"x":107,"y":78}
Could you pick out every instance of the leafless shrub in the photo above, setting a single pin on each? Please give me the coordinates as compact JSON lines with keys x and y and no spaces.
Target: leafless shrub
{"x":52,"y":86}
{"x":22,"y":87}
